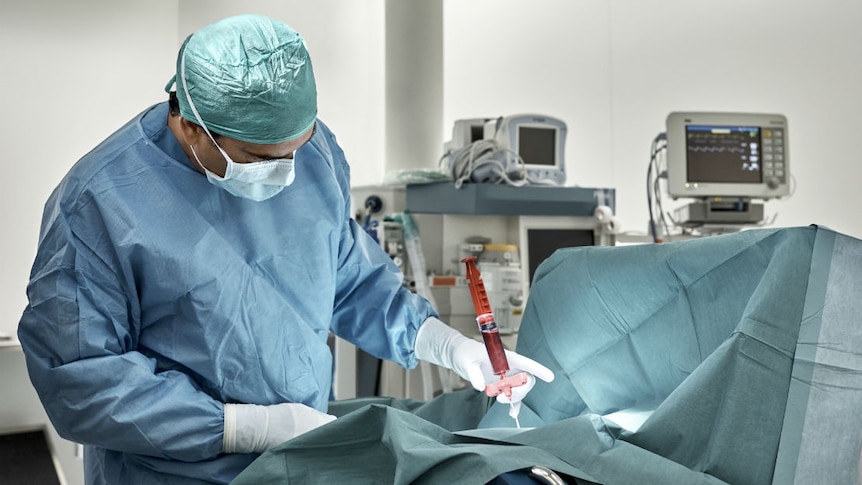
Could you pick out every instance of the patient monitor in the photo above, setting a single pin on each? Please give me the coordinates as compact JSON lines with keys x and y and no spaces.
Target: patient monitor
{"x":727,"y":154}
{"x":726,"y":160}
{"x":517,"y":150}
{"x":532,"y":143}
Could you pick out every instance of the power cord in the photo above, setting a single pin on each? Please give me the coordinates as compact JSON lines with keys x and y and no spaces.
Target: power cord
{"x":485,"y":161}
{"x":655,"y":172}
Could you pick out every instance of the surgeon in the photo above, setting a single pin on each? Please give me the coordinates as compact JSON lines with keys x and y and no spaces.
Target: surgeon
{"x":191,"y":266}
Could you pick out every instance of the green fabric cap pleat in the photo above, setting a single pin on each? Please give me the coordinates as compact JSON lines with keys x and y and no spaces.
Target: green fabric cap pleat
{"x":250,"y":78}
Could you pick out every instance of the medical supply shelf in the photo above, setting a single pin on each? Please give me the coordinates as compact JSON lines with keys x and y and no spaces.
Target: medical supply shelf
{"x":496,"y":199}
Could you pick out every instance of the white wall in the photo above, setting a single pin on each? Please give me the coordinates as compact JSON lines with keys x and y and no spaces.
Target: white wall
{"x":614,"y":69}
{"x":72,"y":73}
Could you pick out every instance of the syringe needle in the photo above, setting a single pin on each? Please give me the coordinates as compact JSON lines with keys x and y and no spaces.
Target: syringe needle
{"x":514,"y":411}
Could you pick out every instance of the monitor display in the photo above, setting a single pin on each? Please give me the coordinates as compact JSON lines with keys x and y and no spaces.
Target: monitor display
{"x":538,"y":140}
{"x":537,"y":146}
{"x":727,"y":155}
{"x":541,"y":244}
{"x":477,"y":132}
{"x":723,"y":154}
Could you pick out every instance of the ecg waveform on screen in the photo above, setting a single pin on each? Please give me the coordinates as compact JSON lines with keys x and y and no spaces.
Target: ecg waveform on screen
{"x":713,"y":149}
{"x":726,"y":142}
{"x":723,"y":155}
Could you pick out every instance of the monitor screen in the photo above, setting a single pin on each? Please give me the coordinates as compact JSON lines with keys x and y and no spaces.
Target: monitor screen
{"x":537,"y":146}
{"x":541,"y":244}
{"x":532,"y":147}
{"x":727,"y":155}
{"x":477,"y":132}
{"x":723,"y":154}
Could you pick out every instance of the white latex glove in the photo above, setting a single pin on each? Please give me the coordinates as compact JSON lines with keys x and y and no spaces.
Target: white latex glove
{"x":250,"y":428}
{"x":441,"y":344}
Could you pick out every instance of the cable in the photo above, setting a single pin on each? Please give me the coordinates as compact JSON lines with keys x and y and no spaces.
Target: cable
{"x":659,"y":144}
{"x":661,"y":173}
{"x":649,"y":197}
{"x":485,"y":161}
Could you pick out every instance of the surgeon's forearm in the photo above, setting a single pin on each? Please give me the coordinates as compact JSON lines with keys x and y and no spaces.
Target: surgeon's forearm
{"x":373,"y":310}
{"x":117,"y":402}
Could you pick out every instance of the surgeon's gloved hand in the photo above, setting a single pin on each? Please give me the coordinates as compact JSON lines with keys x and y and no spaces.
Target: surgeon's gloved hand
{"x":441,"y":344}
{"x":250,"y":428}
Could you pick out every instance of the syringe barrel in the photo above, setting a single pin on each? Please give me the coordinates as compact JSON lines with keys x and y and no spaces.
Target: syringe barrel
{"x":485,"y":319}
{"x":494,"y":346}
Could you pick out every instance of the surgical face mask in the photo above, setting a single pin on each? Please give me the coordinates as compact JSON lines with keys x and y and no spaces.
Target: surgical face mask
{"x":256,"y":180}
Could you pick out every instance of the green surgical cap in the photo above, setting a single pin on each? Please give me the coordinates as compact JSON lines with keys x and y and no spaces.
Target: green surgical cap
{"x":250,"y":78}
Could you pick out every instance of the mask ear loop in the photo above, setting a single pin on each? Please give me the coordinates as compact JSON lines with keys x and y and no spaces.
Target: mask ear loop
{"x":230,"y":162}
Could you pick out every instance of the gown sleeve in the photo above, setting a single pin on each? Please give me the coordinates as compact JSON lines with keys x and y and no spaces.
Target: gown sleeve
{"x":372,"y":310}
{"x":79,"y":333}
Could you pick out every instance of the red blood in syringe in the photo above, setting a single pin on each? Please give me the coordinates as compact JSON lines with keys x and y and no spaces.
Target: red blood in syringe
{"x":493,"y":343}
{"x":490,"y":333}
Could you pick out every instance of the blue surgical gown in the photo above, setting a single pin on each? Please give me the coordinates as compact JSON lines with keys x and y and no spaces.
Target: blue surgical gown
{"x":155,"y":297}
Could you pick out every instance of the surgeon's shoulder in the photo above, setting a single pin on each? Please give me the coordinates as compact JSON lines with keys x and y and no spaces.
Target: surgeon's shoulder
{"x":100,"y":170}
{"x":325,"y":142}
{"x":324,"y":139}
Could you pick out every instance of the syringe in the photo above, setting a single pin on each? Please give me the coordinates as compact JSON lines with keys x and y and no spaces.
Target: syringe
{"x":491,"y":335}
